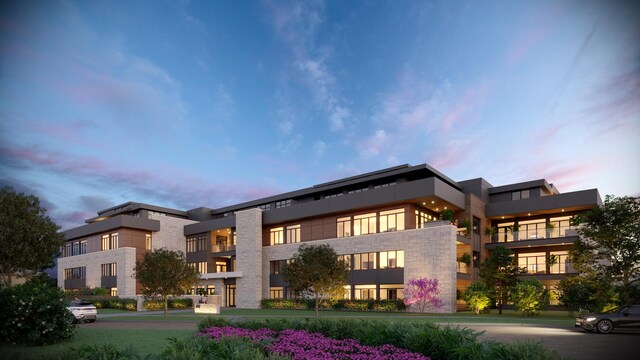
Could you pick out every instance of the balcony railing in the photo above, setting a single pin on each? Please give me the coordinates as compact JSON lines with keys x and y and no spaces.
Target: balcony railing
{"x":222,"y":248}
{"x":533,"y":234}
{"x":462,"y":268}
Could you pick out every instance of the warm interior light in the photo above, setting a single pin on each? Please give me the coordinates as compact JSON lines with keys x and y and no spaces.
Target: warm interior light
{"x":529,"y":214}
{"x":445,"y":208}
{"x":562,"y":210}
{"x":503,"y":217}
{"x":424,"y":203}
{"x":437,"y":209}
{"x":433,"y":202}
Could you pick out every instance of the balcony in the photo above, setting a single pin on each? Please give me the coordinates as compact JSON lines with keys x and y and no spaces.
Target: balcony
{"x":220,"y":248}
{"x":221,"y":275}
{"x":527,"y":238}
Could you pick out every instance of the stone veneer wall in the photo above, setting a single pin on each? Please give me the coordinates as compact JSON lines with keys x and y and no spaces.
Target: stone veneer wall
{"x":171,"y":234}
{"x":249,"y":259}
{"x":428,"y":252}
{"x":124,"y":257}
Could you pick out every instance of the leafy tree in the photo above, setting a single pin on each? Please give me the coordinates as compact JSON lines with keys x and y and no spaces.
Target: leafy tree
{"x":29,"y":240}
{"x":422,"y":292}
{"x":530,"y":297}
{"x":609,"y":243}
{"x":477,"y":296}
{"x":583,"y":292}
{"x":500,"y":272}
{"x":163,"y":273}
{"x":317,"y":269}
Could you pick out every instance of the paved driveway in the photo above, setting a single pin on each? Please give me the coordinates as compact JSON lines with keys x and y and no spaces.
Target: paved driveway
{"x":569,"y":342}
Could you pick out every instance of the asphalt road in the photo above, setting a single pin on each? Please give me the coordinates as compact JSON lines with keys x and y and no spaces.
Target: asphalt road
{"x":569,"y":342}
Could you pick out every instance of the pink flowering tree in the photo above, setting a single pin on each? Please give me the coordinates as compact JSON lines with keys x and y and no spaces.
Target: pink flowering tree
{"x":422,"y":292}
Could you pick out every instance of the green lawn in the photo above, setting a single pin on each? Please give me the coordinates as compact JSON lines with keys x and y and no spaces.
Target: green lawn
{"x":147,"y":341}
{"x":114,"y":311}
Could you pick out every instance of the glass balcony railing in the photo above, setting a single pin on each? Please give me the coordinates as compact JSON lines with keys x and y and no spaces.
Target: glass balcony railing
{"x":533,"y":234}
{"x":462,"y":268}
{"x":222,"y":248}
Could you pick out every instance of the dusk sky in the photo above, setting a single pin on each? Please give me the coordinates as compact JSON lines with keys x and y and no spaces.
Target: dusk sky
{"x":185,"y":104}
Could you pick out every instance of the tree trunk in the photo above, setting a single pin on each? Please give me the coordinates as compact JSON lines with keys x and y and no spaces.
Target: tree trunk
{"x":317,"y":305}
{"x":499,"y":300}
{"x":165,"y":305}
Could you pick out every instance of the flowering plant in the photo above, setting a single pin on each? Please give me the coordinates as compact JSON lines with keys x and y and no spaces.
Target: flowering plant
{"x":422,"y":292}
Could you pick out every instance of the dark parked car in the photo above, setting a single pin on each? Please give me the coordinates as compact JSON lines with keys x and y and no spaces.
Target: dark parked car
{"x":626,"y":316}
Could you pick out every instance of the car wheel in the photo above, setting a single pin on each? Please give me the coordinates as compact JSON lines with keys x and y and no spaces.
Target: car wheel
{"x":605,"y":326}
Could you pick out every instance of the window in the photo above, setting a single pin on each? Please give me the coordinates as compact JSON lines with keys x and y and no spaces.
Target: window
{"x":113,"y":291}
{"x":504,"y":232}
{"x":515,"y":195}
{"x":211,"y":289}
{"x":364,"y":224}
{"x":110,"y":269}
{"x":532,"y":229}
{"x":191,"y":244}
{"x":265,"y":207}
{"x":276,"y":266}
{"x":391,"y":292}
{"x":197,"y":243}
{"x":293,"y":234}
{"x":346,"y":259}
{"x":276,"y":292}
{"x":562,"y":264}
{"x":518,"y":195}
{"x":365,"y":292}
{"x":366,"y":261}
{"x":109,"y":241}
{"x":392,"y":259}
{"x":392,"y":220}
{"x":476,"y":225}
{"x":147,"y":241}
{"x":277,"y":236}
{"x":559,"y":225}
{"x":534,"y":263}
{"x":283,"y":203}
{"x":344,"y":227}
{"x":422,"y":218}
{"x":221,"y":266}
{"x":75,"y":273}
{"x":200,"y":267}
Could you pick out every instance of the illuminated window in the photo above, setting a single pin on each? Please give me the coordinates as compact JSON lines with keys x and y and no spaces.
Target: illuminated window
{"x":391,"y":292}
{"x":364,"y":224}
{"x":75,"y":273}
{"x":277,"y":236}
{"x":344,"y":227}
{"x":293,"y":234}
{"x":365,"y":292}
{"x":346,"y":259}
{"x":104,"y":244}
{"x":109,"y":242}
{"x":221,"y":266}
{"x":110,"y":269}
{"x":422,"y":218}
{"x":562,"y":263}
{"x":392,"y":259}
{"x":200,"y":267}
{"x":534,"y":263}
{"x":392,"y":220}
{"x":366,"y":261}
{"x":276,"y":292}
{"x":147,"y":241}
{"x":113,"y":291}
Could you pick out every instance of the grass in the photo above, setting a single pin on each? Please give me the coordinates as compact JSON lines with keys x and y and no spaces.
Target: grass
{"x":147,"y":341}
{"x":114,"y":311}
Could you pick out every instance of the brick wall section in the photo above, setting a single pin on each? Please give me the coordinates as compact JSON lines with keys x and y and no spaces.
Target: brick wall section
{"x":428,"y":252}
{"x":171,"y":234}
{"x":124,"y":257}
{"x":249,"y":259}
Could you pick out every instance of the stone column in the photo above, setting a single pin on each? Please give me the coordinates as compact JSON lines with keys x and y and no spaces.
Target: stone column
{"x":249,"y":258}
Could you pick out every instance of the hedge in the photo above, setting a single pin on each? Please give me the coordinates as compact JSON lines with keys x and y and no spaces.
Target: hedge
{"x":171,"y":304}
{"x":348,"y":305}
{"x":114,"y":303}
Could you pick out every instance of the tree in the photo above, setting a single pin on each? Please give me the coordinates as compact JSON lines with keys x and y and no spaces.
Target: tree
{"x":163,"y":273}
{"x":500,"y":272}
{"x":422,"y":292}
{"x":583,"y":292}
{"x":317,"y":269}
{"x":29,"y":240}
{"x":477,"y":296}
{"x":609,"y":243}
{"x":530,"y":297}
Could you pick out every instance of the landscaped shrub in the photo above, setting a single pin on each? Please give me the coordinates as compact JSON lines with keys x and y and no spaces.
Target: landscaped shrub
{"x":288,"y":304}
{"x":171,"y":304}
{"x":477,"y":296}
{"x":530,"y":297}
{"x":103,"y":351}
{"x":34,"y":313}
{"x":199,"y":347}
{"x":349,"y":305}
{"x":97,"y":291}
{"x":114,"y":303}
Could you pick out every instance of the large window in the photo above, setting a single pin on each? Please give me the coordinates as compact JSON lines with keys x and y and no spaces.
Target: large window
{"x":392,"y":259}
{"x":283,"y":203}
{"x":365,"y":292}
{"x":534,"y":263}
{"x":200,"y":267}
{"x":276,"y":292}
{"x":559,"y":226}
{"x":277,"y":236}
{"x":532,"y":229}
{"x":110,"y":269}
{"x":197,"y":243}
{"x":364,"y":224}
{"x":562,"y":263}
{"x":75,"y":273}
{"x":276,"y":266}
{"x":392,"y":220}
{"x":366,"y":261}
{"x":504,"y":232}
{"x":422,"y":218}
{"x":293,"y":234}
{"x":344,"y":226}
{"x":147,"y":241}
{"x":109,"y":241}
{"x":346,"y":259}
{"x":391,"y":292}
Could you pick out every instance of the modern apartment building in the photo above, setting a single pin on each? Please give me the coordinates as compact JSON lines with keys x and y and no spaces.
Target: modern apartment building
{"x":385,"y":224}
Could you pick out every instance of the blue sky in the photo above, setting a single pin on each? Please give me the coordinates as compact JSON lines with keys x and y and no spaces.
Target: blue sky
{"x":209,"y":103}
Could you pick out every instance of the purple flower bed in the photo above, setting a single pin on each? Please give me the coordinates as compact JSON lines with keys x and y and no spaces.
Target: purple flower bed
{"x":300,"y":344}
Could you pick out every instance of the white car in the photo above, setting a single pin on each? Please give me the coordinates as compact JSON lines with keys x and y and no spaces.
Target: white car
{"x":83,"y":311}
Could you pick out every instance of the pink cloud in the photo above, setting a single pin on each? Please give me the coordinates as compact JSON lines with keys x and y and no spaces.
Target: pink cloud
{"x":471,"y":100}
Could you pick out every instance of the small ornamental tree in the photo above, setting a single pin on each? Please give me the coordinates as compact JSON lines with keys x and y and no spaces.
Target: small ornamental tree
{"x":530,"y":297}
{"x":317,"y":269}
{"x":584,"y":293}
{"x":163,"y":273}
{"x":422,"y":292}
{"x":500,"y":272}
{"x":477,"y":296}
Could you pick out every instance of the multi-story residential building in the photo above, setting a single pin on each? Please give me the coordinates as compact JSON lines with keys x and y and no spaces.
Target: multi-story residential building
{"x":385,"y":224}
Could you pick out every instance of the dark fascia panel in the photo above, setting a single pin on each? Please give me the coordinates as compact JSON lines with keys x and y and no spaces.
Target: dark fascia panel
{"x":584,"y":199}
{"x":523,"y":244}
{"x":132,"y":206}
{"x":213,"y":224}
{"x":365,"y":178}
{"x":542,"y":183}
{"x":120,"y":221}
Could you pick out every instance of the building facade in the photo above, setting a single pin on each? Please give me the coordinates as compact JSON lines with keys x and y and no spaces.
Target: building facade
{"x":385,"y":224}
